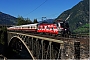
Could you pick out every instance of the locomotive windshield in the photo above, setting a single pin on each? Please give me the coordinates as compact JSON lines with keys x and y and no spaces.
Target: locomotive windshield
{"x":63,"y":24}
{"x":67,"y":25}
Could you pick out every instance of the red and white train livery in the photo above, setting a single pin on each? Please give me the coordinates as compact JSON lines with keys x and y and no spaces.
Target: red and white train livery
{"x":56,"y":28}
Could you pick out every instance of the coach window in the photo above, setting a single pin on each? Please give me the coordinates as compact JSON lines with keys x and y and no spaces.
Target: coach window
{"x":32,"y":27}
{"x":28,"y":27}
{"x":52,"y":28}
{"x":43,"y":27}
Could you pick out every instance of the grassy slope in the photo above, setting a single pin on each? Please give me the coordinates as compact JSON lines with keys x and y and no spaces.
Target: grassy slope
{"x":83,"y":29}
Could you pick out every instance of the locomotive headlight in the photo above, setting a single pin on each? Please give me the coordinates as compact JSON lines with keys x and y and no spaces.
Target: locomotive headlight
{"x":65,"y":29}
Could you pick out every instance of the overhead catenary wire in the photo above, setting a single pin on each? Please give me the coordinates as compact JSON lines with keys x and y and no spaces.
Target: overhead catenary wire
{"x":39,"y":7}
{"x":49,"y":15}
{"x":36,"y":8}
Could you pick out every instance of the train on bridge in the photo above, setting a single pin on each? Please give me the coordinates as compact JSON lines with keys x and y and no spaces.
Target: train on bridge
{"x":57,"y":28}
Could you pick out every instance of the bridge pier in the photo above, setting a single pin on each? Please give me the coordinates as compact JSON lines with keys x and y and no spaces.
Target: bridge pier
{"x":42,"y":48}
{"x":62,"y":51}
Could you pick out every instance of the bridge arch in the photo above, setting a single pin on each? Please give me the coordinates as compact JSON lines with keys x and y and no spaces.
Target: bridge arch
{"x":14,"y":38}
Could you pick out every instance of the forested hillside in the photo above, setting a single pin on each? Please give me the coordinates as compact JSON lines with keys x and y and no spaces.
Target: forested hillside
{"x":77,"y":15}
{"x":6,"y":19}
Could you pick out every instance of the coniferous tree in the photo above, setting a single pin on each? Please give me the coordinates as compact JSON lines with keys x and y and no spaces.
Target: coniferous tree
{"x":35,"y":21}
{"x":28,"y":21}
{"x":20,"y":20}
{"x":23,"y":21}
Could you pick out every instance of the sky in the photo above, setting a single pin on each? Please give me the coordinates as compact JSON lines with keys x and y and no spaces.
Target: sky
{"x":36,"y":9}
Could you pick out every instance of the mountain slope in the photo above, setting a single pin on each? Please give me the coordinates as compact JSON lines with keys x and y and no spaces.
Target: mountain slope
{"x":6,"y":19}
{"x":77,"y":15}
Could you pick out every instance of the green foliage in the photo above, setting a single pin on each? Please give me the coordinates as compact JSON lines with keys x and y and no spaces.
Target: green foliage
{"x":35,"y":21}
{"x":3,"y":35}
{"x":27,"y":21}
{"x":4,"y":29}
{"x":22,"y":21}
{"x":83,"y":29}
{"x":2,"y":39}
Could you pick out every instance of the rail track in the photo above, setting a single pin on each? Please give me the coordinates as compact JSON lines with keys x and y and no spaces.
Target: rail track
{"x":72,"y":36}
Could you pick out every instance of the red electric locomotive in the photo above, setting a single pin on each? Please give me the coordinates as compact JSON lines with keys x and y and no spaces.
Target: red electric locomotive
{"x":58,"y":28}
